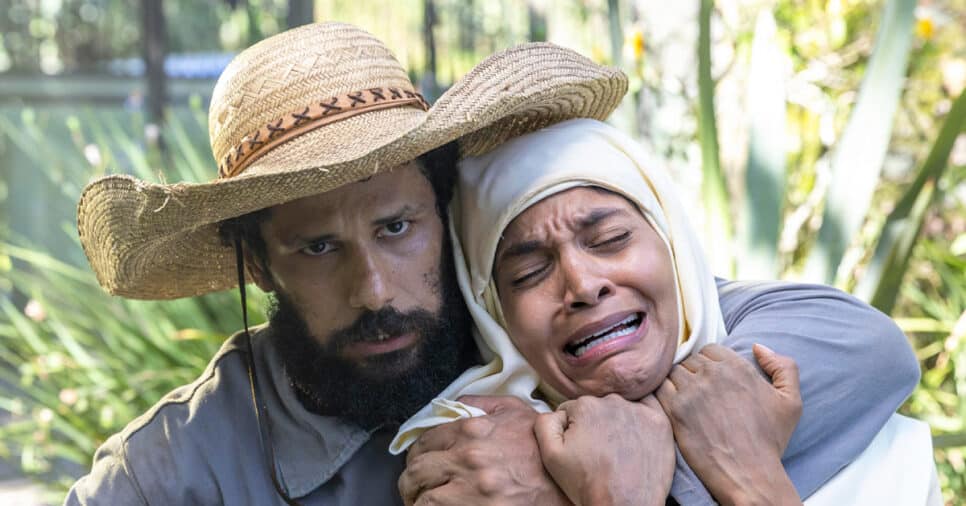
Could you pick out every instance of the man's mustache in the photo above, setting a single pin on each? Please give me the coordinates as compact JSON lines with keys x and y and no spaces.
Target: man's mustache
{"x":381,"y":324}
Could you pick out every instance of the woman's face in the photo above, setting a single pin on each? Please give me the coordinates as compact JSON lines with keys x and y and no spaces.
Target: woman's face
{"x":587,"y":289}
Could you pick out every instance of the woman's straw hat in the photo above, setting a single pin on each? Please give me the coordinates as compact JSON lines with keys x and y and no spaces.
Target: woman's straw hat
{"x":305,"y":112}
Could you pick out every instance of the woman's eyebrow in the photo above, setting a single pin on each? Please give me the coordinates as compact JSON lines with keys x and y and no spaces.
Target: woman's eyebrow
{"x":520,"y":249}
{"x":598,"y":215}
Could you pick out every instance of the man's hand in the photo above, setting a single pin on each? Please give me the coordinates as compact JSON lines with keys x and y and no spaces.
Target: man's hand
{"x":608,"y":451}
{"x":731,"y":425}
{"x":491,"y":459}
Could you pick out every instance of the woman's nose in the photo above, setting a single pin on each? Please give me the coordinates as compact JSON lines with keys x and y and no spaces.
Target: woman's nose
{"x":585,"y":287}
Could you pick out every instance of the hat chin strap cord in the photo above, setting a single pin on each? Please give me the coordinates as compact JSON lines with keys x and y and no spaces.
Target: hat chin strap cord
{"x":264,"y":436}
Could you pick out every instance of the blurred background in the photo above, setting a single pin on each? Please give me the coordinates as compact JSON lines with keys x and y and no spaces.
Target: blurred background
{"x":820,"y":140}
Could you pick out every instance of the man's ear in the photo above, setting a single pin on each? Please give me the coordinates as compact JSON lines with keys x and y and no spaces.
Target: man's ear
{"x":257,"y":271}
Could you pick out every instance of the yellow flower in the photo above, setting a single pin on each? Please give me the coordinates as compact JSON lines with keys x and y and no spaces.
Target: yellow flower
{"x":597,"y":53}
{"x":634,"y":44}
{"x":925,"y":28}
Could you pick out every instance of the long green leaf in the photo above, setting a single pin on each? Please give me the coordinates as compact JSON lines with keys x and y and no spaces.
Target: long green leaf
{"x":714,"y":190}
{"x":765,"y":173}
{"x":858,"y":155}
{"x":883,"y":276}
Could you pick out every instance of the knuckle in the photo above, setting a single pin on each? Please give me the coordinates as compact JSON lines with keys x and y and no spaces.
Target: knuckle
{"x":613,"y":398}
{"x":475,"y":457}
{"x":489,"y":482}
{"x":402,"y":484}
{"x":477,"y":427}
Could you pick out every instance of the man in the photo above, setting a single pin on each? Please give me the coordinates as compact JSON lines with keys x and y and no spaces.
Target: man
{"x":333,"y":191}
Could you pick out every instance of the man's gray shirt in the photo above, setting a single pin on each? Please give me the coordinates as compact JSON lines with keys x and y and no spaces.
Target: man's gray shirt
{"x":200,"y":443}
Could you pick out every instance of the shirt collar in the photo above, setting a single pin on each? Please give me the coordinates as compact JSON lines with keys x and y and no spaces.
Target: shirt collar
{"x":309,"y":448}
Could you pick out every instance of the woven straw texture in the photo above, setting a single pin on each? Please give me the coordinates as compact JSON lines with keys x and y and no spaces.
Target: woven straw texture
{"x":160,"y":241}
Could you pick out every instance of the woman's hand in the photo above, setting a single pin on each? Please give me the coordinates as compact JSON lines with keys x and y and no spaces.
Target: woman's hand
{"x":608,"y":451}
{"x":732,"y":426}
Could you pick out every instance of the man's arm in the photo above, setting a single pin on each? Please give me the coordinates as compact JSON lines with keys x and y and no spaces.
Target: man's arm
{"x":856,"y":367}
{"x":109,"y":481}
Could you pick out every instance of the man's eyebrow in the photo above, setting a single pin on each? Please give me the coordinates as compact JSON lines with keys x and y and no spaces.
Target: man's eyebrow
{"x":598,"y":215}
{"x":298,"y":241}
{"x":406,"y":210}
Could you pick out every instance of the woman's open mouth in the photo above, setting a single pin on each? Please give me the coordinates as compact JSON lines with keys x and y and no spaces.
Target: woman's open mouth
{"x":584,"y":345}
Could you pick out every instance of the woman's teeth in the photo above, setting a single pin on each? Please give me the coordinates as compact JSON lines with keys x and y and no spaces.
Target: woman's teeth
{"x":626,"y":327}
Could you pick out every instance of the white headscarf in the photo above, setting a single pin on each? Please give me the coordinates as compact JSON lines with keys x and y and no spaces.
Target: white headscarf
{"x":495,"y":188}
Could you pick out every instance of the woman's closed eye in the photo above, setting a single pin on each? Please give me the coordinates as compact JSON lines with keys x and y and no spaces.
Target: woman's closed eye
{"x":529,"y":275}
{"x":614,"y":239}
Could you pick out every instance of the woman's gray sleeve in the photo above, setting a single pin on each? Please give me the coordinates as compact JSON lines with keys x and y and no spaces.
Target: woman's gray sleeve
{"x":856,"y":367}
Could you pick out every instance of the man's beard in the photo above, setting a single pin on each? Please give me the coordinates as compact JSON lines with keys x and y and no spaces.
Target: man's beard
{"x":383,"y":389}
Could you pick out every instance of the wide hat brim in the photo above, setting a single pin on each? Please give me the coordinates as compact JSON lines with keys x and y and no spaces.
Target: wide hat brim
{"x":160,"y":241}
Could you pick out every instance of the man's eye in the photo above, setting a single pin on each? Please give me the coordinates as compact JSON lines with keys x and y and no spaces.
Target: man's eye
{"x":316,"y":249}
{"x":395,"y":228}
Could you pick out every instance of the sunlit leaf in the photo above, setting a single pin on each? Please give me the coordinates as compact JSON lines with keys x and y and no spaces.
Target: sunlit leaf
{"x":765,"y":173}
{"x":883,"y":277}
{"x":859,"y":153}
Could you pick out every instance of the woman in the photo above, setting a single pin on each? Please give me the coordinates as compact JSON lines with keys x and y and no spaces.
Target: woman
{"x":578,"y":258}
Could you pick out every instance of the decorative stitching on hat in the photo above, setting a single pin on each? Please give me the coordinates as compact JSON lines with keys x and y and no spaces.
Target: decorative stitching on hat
{"x":337,"y":108}
{"x":356,"y":99}
{"x":275,"y":130}
{"x":300,"y":117}
{"x":330,"y":107}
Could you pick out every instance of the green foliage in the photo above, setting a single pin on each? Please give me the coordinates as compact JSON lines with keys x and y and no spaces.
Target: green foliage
{"x":903,"y":265}
{"x":858,"y":155}
{"x":714,"y":189}
{"x":887,"y":267}
{"x":765,"y":171}
{"x":76,"y":365}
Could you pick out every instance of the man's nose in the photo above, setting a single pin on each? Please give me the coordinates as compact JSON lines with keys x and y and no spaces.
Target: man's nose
{"x":370,"y":288}
{"x":584,"y":285}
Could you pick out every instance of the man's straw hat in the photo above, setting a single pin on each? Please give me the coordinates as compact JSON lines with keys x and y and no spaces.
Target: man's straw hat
{"x":305,"y":112}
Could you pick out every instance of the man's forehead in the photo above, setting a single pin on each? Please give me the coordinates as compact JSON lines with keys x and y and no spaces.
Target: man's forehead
{"x":378,"y":196}
{"x":403,"y":181}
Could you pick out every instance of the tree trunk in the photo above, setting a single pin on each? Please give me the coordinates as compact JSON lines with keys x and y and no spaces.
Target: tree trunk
{"x":616,"y":33}
{"x":467,"y":24}
{"x":429,"y":85}
{"x":155,"y":50}
{"x":300,"y":12}
{"x":537,"y":14}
